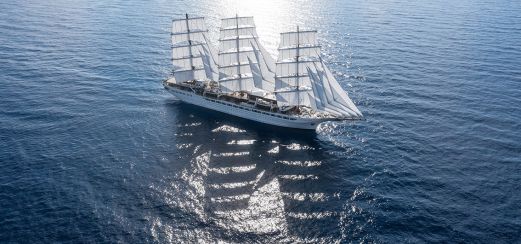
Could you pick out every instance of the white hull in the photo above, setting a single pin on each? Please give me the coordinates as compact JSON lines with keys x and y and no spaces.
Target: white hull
{"x":246,"y":112}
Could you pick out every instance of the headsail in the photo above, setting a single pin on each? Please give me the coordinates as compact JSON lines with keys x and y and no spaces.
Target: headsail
{"x":239,"y":51}
{"x":191,"y":54}
{"x":302,"y":79}
{"x":326,"y":93}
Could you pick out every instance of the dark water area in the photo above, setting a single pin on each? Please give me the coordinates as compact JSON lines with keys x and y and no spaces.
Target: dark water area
{"x":93,"y":149}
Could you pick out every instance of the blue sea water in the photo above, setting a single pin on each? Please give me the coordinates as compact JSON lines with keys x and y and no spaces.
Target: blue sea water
{"x":92,"y":148}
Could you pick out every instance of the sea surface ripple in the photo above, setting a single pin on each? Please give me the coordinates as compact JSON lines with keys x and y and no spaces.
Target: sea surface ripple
{"x":93,"y":149}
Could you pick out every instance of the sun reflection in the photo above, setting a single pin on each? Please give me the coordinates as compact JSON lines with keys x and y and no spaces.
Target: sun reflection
{"x":299,"y":177}
{"x":190,"y":124}
{"x":184,"y":134}
{"x":314,"y":197}
{"x":241,"y":142}
{"x":274,"y":150}
{"x":231,"y":185}
{"x":227,"y":199}
{"x":315,"y":215}
{"x":242,"y":186}
{"x":300,"y":163}
{"x":264,"y":214}
{"x":296,"y":147}
{"x":233,"y":169}
{"x":183,"y":145}
{"x":227,"y":128}
{"x":230,"y":154}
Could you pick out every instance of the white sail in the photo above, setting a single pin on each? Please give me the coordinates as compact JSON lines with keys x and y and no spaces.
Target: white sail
{"x":258,"y":78}
{"x":208,"y":67}
{"x":310,"y":52}
{"x":239,"y":52}
{"x":339,"y":94}
{"x":266,"y":62}
{"x":255,"y":72}
{"x":325,"y":93}
{"x":301,"y":43}
{"x":336,"y":98}
{"x":269,"y":61}
{"x":298,"y":38}
{"x":192,"y":58}
{"x":320,"y":99}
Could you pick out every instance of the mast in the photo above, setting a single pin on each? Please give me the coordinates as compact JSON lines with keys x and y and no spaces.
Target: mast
{"x":238,"y":51}
{"x":297,"y":63}
{"x":190,"y":55}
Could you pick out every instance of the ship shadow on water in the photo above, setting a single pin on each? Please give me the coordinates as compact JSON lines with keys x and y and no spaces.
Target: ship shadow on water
{"x":243,"y":180}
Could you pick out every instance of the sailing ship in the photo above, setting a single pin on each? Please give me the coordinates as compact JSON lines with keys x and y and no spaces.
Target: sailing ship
{"x":242,"y":79}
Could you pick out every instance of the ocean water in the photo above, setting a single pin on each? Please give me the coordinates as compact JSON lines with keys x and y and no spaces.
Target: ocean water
{"x":92,"y":148}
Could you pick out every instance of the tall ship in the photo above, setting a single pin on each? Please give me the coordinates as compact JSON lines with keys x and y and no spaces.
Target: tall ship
{"x":242,"y":79}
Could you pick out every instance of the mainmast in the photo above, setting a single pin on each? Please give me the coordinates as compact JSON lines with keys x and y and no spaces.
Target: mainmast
{"x":297,"y":64}
{"x":238,"y":51}
{"x":243,"y":64}
{"x":190,"y":55}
